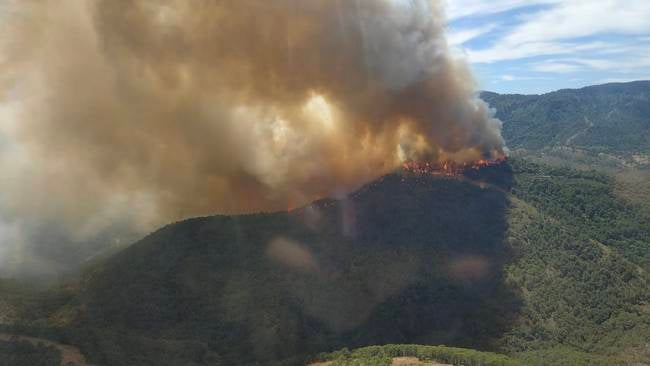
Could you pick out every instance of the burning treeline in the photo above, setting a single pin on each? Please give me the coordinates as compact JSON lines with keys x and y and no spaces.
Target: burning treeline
{"x":448,"y":168}
{"x":196,"y":107}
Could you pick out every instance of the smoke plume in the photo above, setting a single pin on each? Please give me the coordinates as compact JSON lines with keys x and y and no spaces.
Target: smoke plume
{"x":147,"y":111}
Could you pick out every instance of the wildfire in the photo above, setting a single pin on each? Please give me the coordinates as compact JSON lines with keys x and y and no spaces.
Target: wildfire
{"x":447,"y":168}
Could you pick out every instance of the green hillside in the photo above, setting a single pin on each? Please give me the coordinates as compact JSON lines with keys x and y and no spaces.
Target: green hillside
{"x":413,"y":355}
{"x":582,"y":272}
{"x":546,"y":264}
{"x":610,"y":118}
{"x":384,"y":266}
{"x":517,"y":259}
{"x":23,"y":353}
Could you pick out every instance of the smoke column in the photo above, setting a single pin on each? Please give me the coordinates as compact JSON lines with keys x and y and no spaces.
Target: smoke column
{"x":142,"y":112}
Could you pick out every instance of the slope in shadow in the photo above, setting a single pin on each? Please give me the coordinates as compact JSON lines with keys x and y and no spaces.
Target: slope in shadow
{"x":403,"y":259}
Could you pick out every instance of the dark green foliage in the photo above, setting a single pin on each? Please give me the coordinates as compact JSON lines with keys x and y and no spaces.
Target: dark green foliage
{"x":586,"y":200}
{"x":546,"y":264}
{"x":526,"y":264}
{"x":611,"y":118}
{"x":583,"y":301}
{"x":383,"y":355}
{"x":21,"y":301}
{"x":16,"y":352}
{"x":382,"y":274}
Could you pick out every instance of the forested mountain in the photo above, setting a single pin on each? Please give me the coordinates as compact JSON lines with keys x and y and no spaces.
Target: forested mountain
{"x":405,"y":259}
{"x":546,"y":264}
{"x":610,"y":118}
{"x":413,"y":355}
{"x":14,"y":352}
{"x":514,"y":258}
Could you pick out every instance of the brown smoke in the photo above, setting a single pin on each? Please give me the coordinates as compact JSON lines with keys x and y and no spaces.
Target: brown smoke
{"x":178,"y":108}
{"x":291,"y":254}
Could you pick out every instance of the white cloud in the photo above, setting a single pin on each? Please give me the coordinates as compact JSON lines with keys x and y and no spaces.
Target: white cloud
{"x":459,"y":36}
{"x":504,"y":51}
{"x":580,"y":18}
{"x":625,"y":64}
{"x":566,"y":42}
{"x":508,"y":77}
{"x":457,"y":9}
{"x":556,"y":67}
{"x":629,"y":64}
{"x":559,"y":29}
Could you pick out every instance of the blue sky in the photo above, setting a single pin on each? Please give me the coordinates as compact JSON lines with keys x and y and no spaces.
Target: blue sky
{"x":536,"y":46}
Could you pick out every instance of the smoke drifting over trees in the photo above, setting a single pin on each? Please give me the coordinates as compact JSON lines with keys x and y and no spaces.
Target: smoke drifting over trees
{"x":134,"y":113}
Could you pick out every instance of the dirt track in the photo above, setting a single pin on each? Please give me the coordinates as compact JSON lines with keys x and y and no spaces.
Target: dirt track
{"x":70,"y":356}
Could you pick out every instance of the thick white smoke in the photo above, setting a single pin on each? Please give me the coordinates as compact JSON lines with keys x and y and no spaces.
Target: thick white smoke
{"x":141,"y":112}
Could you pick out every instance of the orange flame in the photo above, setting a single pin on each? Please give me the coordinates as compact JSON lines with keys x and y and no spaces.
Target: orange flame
{"x":447,"y":168}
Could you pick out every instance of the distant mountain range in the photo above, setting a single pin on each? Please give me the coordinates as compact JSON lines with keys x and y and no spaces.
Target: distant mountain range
{"x":610,"y":118}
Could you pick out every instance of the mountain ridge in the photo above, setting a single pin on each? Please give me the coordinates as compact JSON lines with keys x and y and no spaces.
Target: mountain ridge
{"x":608,"y":118}
{"x":623,"y":84}
{"x":483,"y":261}
{"x":548,"y":265}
